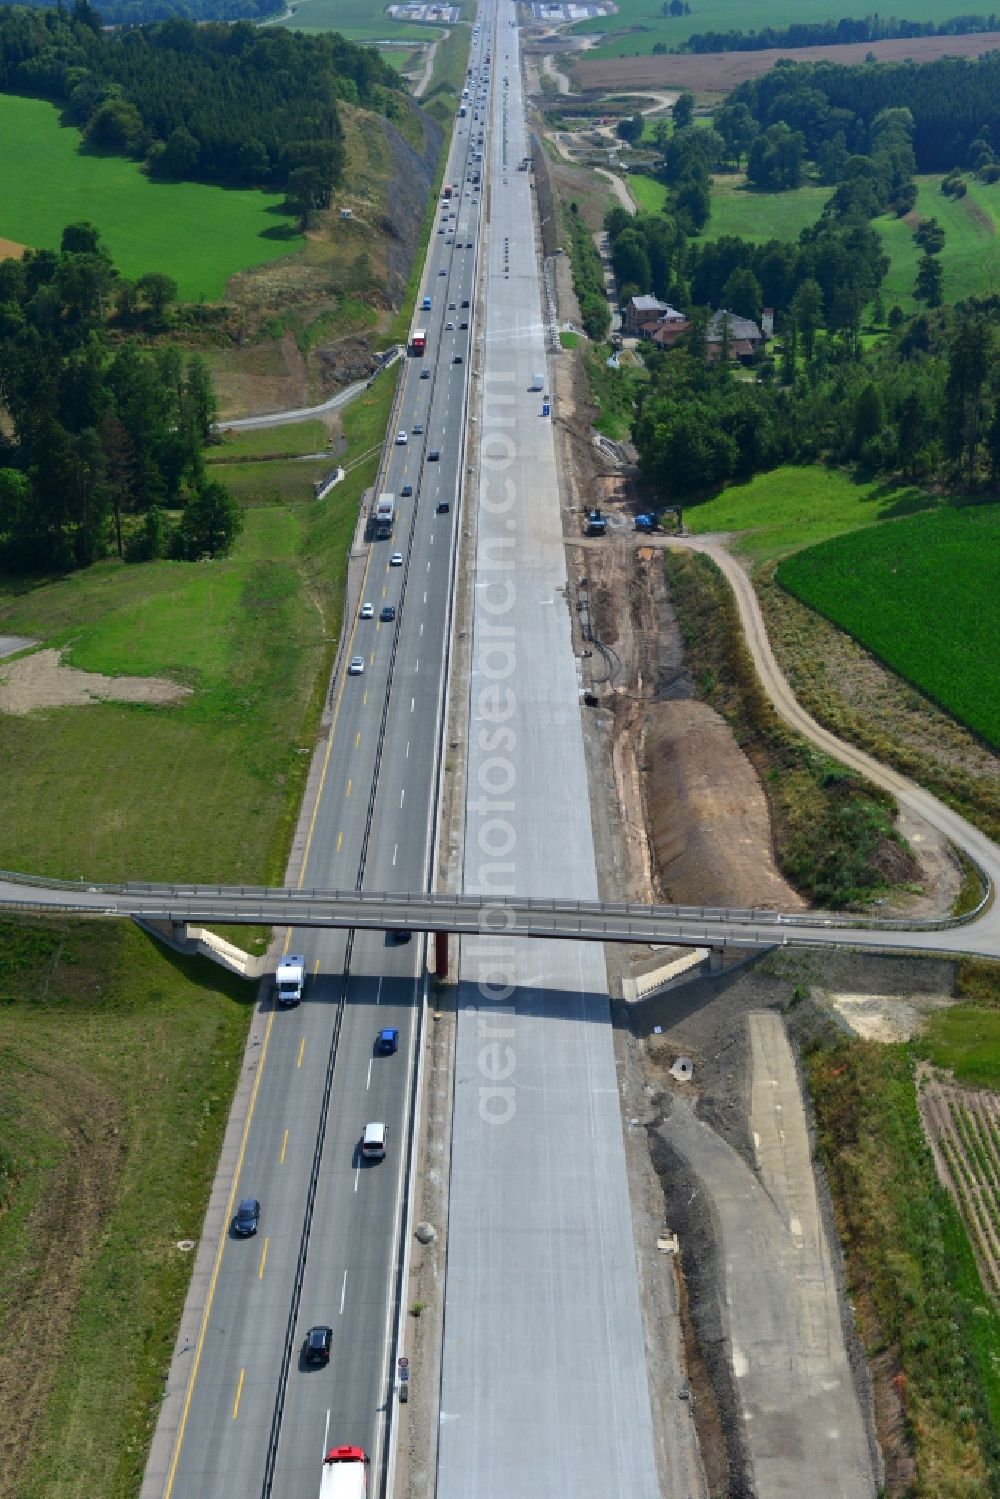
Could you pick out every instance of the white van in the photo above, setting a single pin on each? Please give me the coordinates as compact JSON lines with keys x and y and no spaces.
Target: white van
{"x":537,"y":382}
{"x":373,"y":1142}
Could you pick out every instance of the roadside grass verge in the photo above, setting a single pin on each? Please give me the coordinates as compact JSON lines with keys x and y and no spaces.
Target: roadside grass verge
{"x":588,"y":274}
{"x":448,"y":77}
{"x":613,"y":392}
{"x":119,"y":1063}
{"x":832,"y":830}
{"x":196,"y":234}
{"x":291,"y":441}
{"x":207,"y":789}
{"x":568,"y":340}
{"x":791,"y":507}
{"x":921,"y":595}
{"x":930,"y":1330}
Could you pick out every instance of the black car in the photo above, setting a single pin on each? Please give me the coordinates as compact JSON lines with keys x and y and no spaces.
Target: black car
{"x":457,"y":359}
{"x":406,"y":492}
{"x":247,"y":1219}
{"x":387,"y":613}
{"x":433,"y":456}
{"x":443,"y":507}
{"x":316,"y":1348}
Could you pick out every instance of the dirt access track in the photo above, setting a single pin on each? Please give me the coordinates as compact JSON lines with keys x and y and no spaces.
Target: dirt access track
{"x":718,"y":72}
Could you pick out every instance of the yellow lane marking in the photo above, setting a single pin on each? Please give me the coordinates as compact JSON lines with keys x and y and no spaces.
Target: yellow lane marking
{"x":263,"y":1260}
{"x":284,"y":1147}
{"x":302,"y":1047}
{"x":349,"y":785}
{"x":357,"y":739}
{"x":340,"y":839}
{"x":239,"y":1392}
{"x":203,"y":1329}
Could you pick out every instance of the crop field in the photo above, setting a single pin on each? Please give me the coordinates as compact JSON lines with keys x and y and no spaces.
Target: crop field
{"x":921,"y":594}
{"x":970,"y":261}
{"x":791,"y":507}
{"x":713,"y":73}
{"x":739,"y":210}
{"x":965,"y":1126}
{"x":197,"y":234}
{"x":637,"y":25}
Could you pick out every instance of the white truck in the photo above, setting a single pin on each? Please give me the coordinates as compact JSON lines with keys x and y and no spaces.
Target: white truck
{"x":385,"y":513}
{"x":290,"y":979}
{"x":345,"y":1474}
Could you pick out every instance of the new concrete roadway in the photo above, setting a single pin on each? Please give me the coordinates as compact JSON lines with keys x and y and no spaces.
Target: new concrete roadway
{"x":544,"y":1389}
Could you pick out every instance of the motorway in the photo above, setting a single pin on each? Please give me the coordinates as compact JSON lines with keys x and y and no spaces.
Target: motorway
{"x":248,"y":1417}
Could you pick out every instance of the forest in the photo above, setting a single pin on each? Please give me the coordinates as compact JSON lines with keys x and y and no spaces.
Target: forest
{"x":104,"y":435}
{"x":236,"y":105}
{"x":954,"y":105}
{"x":143,"y":12}
{"x":831,"y":33}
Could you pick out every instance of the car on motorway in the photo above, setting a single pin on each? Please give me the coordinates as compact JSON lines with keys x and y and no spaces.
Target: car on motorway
{"x":367,"y":611}
{"x":450,"y":240}
{"x":373,"y":1141}
{"x":418,"y":429}
{"x":443,"y":507}
{"x":406,"y":493}
{"x":401,"y":439}
{"x":387,"y":613}
{"x":449,"y":327}
{"x":441,"y":230}
{"x":396,"y":560}
{"x":247,"y":1219}
{"x":317,"y":1346}
{"x":442,"y":272}
{"x":457,"y":359}
{"x":465,"y":302}
{"x":387,"y":1043}
{"x":357,"y":666}
{"x":433,"y":455}
{"x":425,"y":374}
{"x":451,"y":307}
{"x":464,"y":325}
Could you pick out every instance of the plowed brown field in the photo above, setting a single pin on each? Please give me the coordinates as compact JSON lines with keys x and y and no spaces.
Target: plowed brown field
{"x":718,"y":72}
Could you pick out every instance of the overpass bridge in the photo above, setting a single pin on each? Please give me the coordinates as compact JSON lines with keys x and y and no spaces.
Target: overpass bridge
{"x":976,"y":934}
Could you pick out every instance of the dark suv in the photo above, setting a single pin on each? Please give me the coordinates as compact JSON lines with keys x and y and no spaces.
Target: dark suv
{"x":247,"y":1218}
{"x":316,"y":1348}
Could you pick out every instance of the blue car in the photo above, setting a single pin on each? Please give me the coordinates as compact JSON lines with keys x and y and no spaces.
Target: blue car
{"x":387,"y":1043}
{"x":247,"y":1218}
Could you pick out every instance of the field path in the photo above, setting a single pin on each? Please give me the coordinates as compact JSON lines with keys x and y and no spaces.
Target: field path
{"x":915,"y":804}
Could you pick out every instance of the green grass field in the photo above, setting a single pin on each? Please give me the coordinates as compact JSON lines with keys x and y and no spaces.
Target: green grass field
{"x":292,"y":441}
{"x":965,"y":1039}
{"x":922,"y":595}
{"x":358,"y":20}
{"x":640,"y":24}
{"x":761,"y":216}
{"x":197,"y":234}
{"x":208,"y":788}
{"x":795,"y":507}
{"x":649,"y":194}
{"x":970,"y":261}
{"x":119,"y":1062}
